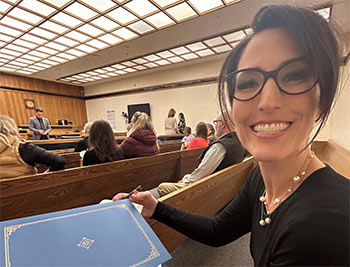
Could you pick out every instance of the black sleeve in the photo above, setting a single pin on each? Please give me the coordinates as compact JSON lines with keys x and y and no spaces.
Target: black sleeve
{"x":230,"y":224}
{"x":90,"y":158}
{"x":81,"y":145}
{"x":32,"y":155}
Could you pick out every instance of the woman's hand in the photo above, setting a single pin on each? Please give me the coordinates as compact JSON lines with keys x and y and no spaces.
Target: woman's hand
{"x":145,"y":199}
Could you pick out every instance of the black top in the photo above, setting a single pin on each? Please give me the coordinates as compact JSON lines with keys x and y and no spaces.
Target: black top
{"x":32,"y":154}
{"x":90,"y":157}
{"x":310,"y":228}
{"x":234,"y":150}
{"x":82,"y":145}
{"x":181,"y":126}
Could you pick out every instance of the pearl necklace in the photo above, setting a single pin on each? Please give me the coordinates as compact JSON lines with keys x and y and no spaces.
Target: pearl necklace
{"x":265,"y":218}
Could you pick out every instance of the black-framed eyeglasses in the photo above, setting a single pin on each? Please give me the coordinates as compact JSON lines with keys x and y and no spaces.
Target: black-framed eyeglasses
{"x":216,"y":121}
{"x":294,"y":77}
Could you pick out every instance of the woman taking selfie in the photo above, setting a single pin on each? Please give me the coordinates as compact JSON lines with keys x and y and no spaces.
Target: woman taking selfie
{"x":280,"y":81}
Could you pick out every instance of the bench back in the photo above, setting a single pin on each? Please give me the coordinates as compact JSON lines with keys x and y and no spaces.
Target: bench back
{"x":76,"y":187}
{"x":334,"y":155}
{"x":205,"y":197}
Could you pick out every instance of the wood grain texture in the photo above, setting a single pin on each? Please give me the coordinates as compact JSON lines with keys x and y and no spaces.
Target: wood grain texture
{"x":41,"y":193}
{"x":204,"y":197}
{"x":55,"y":107}
{"x":334,"y":155}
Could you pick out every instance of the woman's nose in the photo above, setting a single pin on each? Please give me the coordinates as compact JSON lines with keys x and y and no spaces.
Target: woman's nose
{"x":270,"y":97}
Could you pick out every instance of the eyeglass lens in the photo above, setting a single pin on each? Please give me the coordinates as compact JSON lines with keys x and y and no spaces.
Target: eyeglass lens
{"x":293,"y":78}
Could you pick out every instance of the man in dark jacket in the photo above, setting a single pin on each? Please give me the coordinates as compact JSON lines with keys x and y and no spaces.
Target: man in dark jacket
{"x":225,"y":151}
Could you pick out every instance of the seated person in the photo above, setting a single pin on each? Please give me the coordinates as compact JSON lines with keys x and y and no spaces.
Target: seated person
{"x":141,"y":139}
{"x":18,"y":158}
{"x":201,"y":139}
{"x":225,"y":151}
{"x":84,"y":143}
{"x":187,"y":138}
{"x":211,"y":132}
{"x":103,"y":147}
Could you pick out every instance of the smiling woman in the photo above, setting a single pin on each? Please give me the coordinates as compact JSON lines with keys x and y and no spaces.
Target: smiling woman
{"x":279,"y":82}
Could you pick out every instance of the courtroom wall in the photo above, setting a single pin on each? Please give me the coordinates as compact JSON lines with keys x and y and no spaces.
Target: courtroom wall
{"x":199,"y":103}
{"x":55,"y":104}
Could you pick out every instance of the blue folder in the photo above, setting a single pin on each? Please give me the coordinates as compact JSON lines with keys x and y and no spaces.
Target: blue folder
{"x":112,"y":234}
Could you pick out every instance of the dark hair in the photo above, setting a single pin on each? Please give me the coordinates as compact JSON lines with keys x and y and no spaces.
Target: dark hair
{"x":188,"y":130}
{"x":182,"y":116}
{"x":315,"y":37}
{"x":101,"y":139}
{"x":39,"y":110}
{"x":211,"y":127}
{"x":171,"y":113}
{"x":201,"y":130}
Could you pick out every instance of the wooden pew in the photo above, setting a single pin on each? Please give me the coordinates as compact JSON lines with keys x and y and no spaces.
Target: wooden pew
{"x":334,"y":155}
{"x":170,"y":146}
{"x":73,"y":160}
{"x":205,"y":197}
{"x":76,"y":187}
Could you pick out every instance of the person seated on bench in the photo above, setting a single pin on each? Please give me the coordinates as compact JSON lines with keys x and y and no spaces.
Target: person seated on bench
{"x":201,"y":139}
{"x":211,"y":133}
{"x":141,"y":139}
{"x":84,"y":143}
{"x":103,"y":146}
{"x":187,"y":138}
{"x":18,"y":158}
{"x":279,"y":81}
{"x":225,"y":151}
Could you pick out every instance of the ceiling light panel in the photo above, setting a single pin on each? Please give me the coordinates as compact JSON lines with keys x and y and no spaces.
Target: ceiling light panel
{"x":151,"y":65}
{"x":66,"y":19}
{"x":89,"y":29}
{"x":98,"y":44}
{"x":54,"y":27}
{"x":180,"y":50}
{"x":235,"y":36}
{"x":160,"y":20}
{"x":47,"y":50}
{"x":56,"y":46}
{"x":165,"y":54}
{"x":76,"y":52}
{"x":86,"y":48}
{"x":125,"y":34}
{"x":111,"y":39}
{"x":10,"y":52}
{"x":166,"y":3}
{"x":9,"y":31}
{"x":141,"y":27}
{"x":25,"y":43}
{"x":100,"y":5}
{"x":67,"y":56}
{"x":205,"y":52}
{"x":181,"y":12}
{"x":50,"y":62}
{"x":24,"y":15}
{"x":15,"y":23}
{"x":222,"y":48}
{"x":5,"y":38}
{"x":128,"y":63}
{"x":19,"y":63}
{"x":214,"y":41}
{"x":17,"y":48}
{"x":120,"y":72}
{"x":81,"y":11}
{"x":4,"y":6}
{"x":152,"y":57}
{"x":118,"y":66}
{"x":121,"y":15}
{"x":140,"y":61}
{"x":129,"y":70}
{"x":59,"y":59}
{"x":162,"y":62}
{"x":140,"y":67}
{"x":6,"y":56}
{"x":78,"y":36}
{"x":66,"y":41}
{"x":105,"y":23}
{"x":30,"y":57}
{"x":189,"y":56}
{"x":38,"y":7}
{"x":207,"y":5}
{"x":34,"y":39}
{"x":196,"y":46}
{"x":42,"y":32}
{"x":25,"y":60}
{"x":38,"y":54}
{"x":58,"y":3}
{"x":141,"y":7}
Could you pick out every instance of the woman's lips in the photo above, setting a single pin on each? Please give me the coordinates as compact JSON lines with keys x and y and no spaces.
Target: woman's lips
{"x":270,"y":129}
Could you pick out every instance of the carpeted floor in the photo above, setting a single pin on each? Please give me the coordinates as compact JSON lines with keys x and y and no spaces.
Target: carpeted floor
{"x":191,"y":253}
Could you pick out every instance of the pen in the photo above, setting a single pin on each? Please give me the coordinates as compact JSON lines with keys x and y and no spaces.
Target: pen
{"x":133,"y":191}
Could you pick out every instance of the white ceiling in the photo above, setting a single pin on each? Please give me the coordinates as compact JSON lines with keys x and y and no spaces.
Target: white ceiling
{"x":161,"y":34}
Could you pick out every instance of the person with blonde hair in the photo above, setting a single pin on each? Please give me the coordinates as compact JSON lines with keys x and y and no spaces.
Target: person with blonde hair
{"x":18,"y":158}
{"x":141,"y":139}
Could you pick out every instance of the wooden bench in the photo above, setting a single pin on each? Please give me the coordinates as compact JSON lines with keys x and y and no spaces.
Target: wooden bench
{"x":334,"y":155}
{"x":170,"y":146}
{"x":205,"y":197}
{"x":73,"y":160}
{"x":76,"y":187}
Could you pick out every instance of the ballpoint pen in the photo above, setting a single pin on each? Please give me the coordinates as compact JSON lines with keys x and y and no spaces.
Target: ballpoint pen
{"x":133,"y":191}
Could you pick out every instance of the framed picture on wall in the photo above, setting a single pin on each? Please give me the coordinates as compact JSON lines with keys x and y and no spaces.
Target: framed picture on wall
{"x":29,"y":103}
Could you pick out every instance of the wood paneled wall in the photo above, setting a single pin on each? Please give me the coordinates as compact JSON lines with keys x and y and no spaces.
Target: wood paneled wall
{"x":55,"y":107}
